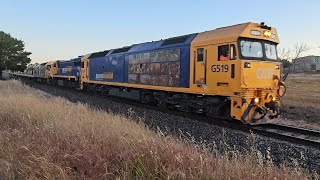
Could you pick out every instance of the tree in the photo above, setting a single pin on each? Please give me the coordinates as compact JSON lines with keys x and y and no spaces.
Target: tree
{"x":12,"y":53}
{"x":286,"y":63}
{"x":291,"y":54}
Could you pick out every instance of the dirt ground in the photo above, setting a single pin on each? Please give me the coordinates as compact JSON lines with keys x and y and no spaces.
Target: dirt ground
{"x":302,"y":101}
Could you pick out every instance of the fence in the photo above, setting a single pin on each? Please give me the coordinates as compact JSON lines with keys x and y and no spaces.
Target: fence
{"x":5,"y":75}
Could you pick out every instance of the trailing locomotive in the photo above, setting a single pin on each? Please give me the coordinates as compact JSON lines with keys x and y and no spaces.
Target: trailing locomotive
{"x":227,"y":72}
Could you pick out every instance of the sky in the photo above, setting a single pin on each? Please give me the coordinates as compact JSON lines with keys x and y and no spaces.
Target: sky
{"x":64,"y":29}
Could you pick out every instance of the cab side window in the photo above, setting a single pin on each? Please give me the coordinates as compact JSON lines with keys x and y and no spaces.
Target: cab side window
{"x":200,"y":54}
{"x":223,"y":53}
{"x":227,"y":52}
{"x":233,"y":52}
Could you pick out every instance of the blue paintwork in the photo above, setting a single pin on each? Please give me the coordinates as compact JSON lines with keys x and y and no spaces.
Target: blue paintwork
{"x":119,"y":69}
{"x":185,"y":66}
{"x":64,"y":67}
{"x":109,"y":64}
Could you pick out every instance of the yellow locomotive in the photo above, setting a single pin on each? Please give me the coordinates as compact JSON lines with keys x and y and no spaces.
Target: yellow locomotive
{"x":232,"y":72}
{"x":250,"y":75}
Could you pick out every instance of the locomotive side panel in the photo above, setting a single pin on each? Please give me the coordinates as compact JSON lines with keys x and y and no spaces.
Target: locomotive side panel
{"x":42,"y":70}
{"x":166,"y":67}
{"x":159,"y":65}
{"x":212,"y":75}
{"x":107,"y":69}
{"x":69,"y":68}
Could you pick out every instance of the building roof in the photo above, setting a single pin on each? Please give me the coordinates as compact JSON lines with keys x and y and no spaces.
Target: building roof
{"x":306,"y":58}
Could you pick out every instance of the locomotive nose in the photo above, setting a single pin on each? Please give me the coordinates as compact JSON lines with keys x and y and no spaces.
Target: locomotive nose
{"x":259,"y":74}
{"x":260,"y":88}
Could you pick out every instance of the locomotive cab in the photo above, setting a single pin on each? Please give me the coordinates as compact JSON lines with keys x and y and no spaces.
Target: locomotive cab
{"x":261,"y":80}
{"x":261,"y":76}
{"x":84,"y":71}
{"x":51,"y":69}
{"x":239,"y":65}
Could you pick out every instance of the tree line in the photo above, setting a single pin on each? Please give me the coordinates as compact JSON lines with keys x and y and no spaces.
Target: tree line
{"x":12,"y":53}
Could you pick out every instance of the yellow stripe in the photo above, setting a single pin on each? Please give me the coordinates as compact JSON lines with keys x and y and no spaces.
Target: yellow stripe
{"x":67,"y":77}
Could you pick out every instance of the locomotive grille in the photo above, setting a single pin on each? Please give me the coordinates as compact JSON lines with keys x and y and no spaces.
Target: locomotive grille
{"x":252,"y":93}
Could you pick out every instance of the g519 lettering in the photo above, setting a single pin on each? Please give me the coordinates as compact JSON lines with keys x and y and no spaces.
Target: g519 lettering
{"x":219,"y":68}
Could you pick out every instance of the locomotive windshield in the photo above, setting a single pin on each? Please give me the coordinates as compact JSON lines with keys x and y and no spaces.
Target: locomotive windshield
{"x":258,"y":50}
{"x":251,"y":49}
{"x":271,"y":51}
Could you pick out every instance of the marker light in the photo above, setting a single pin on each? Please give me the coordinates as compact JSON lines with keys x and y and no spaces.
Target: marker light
{"x":267,"y":33}
{"x":256,"y":100}
{"x":273,"y":36}
{"x":255,"y":33}
{"x":247,"y":65}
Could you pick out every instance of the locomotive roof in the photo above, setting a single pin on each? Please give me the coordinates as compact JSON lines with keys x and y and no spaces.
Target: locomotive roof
{"x":146,"y":46}
{"x":231,"y":34}
{"x":216,"y":36}
{"x":69,"y":61}
{"x":163,"y":44}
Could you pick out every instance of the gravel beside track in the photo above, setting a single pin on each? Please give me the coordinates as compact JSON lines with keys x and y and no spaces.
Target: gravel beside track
{"x":199,"y":132}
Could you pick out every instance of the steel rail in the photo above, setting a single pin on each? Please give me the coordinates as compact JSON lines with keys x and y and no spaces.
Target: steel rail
{"x":306,"y":137}
{"x":293,"y":129}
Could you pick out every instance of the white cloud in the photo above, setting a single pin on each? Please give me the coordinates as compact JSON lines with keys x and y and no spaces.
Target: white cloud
{"x":313,"y":51}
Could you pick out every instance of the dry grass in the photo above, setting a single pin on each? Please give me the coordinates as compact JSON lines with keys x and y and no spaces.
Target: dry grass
{"x":302,"y":101}
{"x":303,"y":90}
{"x":44,"y":137}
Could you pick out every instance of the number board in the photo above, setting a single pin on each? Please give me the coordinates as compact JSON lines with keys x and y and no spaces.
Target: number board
{"x":220,"y":68}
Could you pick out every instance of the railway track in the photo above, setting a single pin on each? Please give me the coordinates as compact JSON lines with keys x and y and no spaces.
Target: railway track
{"x":299,"y":136}
{"x":292,"y":134}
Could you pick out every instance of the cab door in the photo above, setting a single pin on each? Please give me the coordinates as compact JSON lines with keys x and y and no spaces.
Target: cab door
{"x":84,"y":69}
{"x":54,"y":69}
{"x":200,"y":63}
{"x":223,"y":76}
{"x":84,"y":73}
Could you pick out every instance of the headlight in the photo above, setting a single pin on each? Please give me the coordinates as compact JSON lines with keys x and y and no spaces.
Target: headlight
{"x":267,"y":33}
{"x":255,"y":32}
{"x":256,"y":100}
{"x":247,"y":65}
{"x":277,"y":67}
{"x":274,"y":99}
